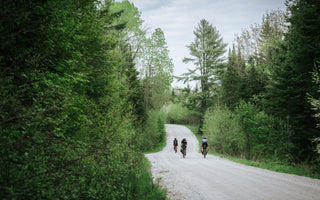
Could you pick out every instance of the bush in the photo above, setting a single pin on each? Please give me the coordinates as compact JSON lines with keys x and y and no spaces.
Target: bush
{"x":265,"y":135}
{"x":69,"y":108}
{"x":222,"y":131}
{"x":247,"y":132}
{"x":153,"y":134}
{"x":176,"y":113}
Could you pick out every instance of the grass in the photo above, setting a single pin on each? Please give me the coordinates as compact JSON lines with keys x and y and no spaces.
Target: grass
{"x":148,"y":189}
{"x":297,"y":169}
{"x":277,"y":166}
{"x":151,"y":188}
{"x":159,"y":147}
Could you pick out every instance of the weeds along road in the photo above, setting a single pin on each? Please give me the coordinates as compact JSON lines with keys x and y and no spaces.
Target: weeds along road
{"x":216,"y":178}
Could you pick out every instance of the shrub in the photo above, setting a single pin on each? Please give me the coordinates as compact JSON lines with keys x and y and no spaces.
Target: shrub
{"x":153,"y":133}
{"x":248,"y":132}
{"x":222,"y":131}
{"x":265,"y":135}
{"x":176,"y":113}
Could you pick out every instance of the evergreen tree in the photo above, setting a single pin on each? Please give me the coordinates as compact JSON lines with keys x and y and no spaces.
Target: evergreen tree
{"x":270,"y":35}
{"x":206,"y":51}
{"x":291,"y":79}
{"x":233,"y":81}
{"x":65,"y":105}
{"x":129,"y":44}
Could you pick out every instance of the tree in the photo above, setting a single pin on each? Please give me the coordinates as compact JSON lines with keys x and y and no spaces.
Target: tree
{"x":206,"y":51}
{"x":291,"y":79}
{"x":133,"y":33}
{"x":129,"y":44}
{"x":156,"y":68}
{"x":233,"y":82}
{"x":315,"y":102}
{"x":272,"y":33}
{"x":65,"y":104}
{"x":251,"y":60}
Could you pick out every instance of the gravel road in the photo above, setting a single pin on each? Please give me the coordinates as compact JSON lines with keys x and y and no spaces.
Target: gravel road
{"x":216,"y":178}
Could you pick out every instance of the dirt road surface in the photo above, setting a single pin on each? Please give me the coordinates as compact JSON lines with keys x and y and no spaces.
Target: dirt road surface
{"x":196,"y":178}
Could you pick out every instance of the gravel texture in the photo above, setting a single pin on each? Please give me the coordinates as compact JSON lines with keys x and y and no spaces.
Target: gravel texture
{"x":195,"y":177}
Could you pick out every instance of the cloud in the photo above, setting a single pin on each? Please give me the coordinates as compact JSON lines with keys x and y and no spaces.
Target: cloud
{"x":149,"y":4}
{"x":178,"y":18}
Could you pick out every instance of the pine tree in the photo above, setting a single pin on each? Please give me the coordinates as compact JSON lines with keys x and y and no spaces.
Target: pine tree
{"x":291,"y":80}
{"x":233,"y":80}
{"x":206,"y":51}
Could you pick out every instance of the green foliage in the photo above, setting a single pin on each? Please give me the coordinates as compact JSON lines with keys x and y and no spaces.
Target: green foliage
{"x":154,"y":133}
{"x":241,"y":80}
{"x":223,"y":131}
{"x":156,"y":70}
{"x":277,"y":165}
{"x":272,"y":69}
{"x":148,"y":189}
{"x":176,"y":113}
{"x":206,"y":51}
{"x":261,"y":106}
{"x":233,"y":80}
{"x":130,"y":16}
{"x":315,"y":102}
{"x":291,"y":79}
{"x":70,"y":104}
{"x":264,"y":135}
{"x":248,"y":133}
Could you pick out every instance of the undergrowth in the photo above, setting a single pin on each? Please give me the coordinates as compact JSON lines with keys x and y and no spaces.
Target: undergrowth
{"x":273,"y":165}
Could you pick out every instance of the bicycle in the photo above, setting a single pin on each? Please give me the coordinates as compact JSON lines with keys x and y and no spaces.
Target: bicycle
{"x":175,"y":148}
{"x":184,"y":151}
{"x":204,"y":152}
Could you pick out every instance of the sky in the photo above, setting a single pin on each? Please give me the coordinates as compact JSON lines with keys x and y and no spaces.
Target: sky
{"x":178,"y":19}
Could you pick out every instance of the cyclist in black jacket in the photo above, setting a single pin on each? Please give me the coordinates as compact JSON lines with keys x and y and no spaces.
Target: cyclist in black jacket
{"x":175,"y":144}
{"x":183,"y":144}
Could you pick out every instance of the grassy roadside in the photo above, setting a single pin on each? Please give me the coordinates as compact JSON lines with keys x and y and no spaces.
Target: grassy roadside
{"x":152,"y":188}
{"x":161,"y":145}
{"x":146,"y":186}
{"x":297,"y":169}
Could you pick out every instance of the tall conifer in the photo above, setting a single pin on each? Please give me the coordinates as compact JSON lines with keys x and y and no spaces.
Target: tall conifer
{"x":206,"y":50}
{"x":291,"y":80}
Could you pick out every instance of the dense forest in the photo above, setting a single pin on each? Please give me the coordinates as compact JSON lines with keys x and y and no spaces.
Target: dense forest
{"x":86,"y":91}
{"x":262,"y":102}
{"x":80,"y":81}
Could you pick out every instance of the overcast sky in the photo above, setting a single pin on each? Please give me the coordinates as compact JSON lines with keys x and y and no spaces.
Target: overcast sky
{"x":178,"y":18}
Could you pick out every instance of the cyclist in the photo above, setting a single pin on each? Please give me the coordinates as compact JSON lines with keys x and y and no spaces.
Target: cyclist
{"x":175,"y":144}
{"x":204,"y":144}
{"x":183,"y":144}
